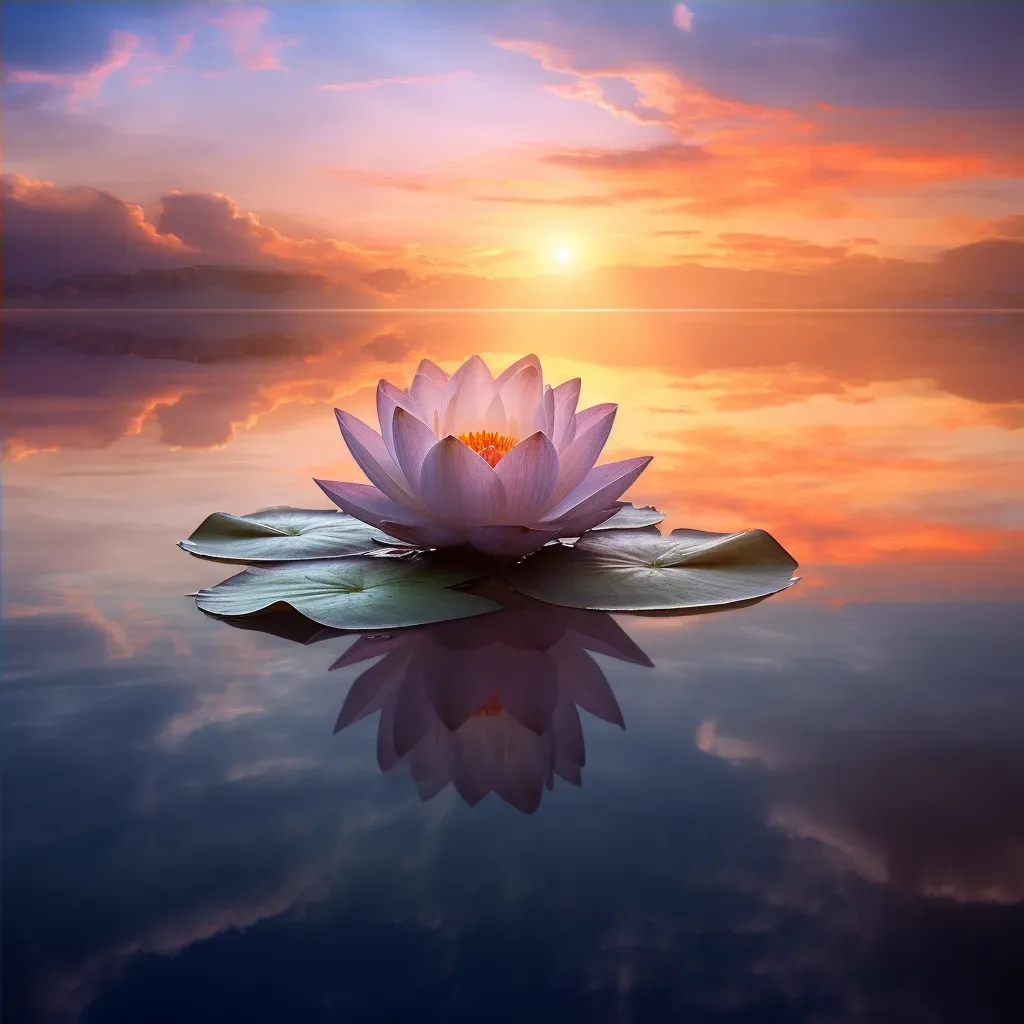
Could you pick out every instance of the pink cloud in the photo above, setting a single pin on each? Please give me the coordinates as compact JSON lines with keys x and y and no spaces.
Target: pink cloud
{"x":375,"y":83}
{"x":682,"y":18}
{"x":84,"y":86}
{"x":151,"y":63}
{"x":663,"y":97}
{"x":242,"y":31}
{"x":128,"y":52}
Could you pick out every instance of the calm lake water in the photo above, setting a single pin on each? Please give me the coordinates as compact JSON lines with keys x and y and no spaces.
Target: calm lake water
{"x":807,"y":810}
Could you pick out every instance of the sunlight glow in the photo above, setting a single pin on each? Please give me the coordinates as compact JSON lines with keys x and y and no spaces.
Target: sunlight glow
{"x":562,"y":254}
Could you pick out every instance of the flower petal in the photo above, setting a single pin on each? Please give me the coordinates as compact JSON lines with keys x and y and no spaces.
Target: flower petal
{"x":528,"y":687}
{"x":586,"y":417}
{"x":568,"y":729}
{"x":413,"y":716}
{"x":519,"y":364}
{"x":494,"y":417}
{"x":458,"y":487}
{"x":372,"y":457}
{"x":424,"y":535}
{"x":430,"y":369}
{"x":577,"y":459}
{"x":601,"y":487}
{"x":582,"y":681}
{"x":366,"y":503}
{"x":523,"y":397}
{"x":375,"y":686}
{"x":510,"y":541}
{"x":367,"y":647}
{"x":467,"y":398}
{"x":429,"y":399}
{"x":457,"y":680}
{"x":566,"y":397}
{"x":390,"y":398}
{"x":574,"y":524}
{"x":528,"y":473}
{"x":412,"y":440}
{"x":548,"y":406}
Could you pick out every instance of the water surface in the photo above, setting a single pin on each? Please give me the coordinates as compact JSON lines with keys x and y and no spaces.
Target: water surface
{"x":808,"y":809}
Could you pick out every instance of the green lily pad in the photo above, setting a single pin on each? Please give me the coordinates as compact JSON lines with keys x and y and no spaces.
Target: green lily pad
{"x":358,"y":592}
{"x":282,"y":535}
{"x":632,"y":517}
{"x":642,"y":570}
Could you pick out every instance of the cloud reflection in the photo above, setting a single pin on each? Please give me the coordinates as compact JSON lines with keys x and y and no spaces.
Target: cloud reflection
{"x":933,"y":813}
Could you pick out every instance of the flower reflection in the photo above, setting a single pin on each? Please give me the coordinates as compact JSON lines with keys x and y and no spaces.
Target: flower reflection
{"x":490,"y":704}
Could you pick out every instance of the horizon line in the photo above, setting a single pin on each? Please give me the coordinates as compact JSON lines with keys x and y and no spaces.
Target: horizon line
{"x":387,"y":310}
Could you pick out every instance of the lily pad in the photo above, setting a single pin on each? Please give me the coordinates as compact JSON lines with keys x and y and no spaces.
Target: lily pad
{"x":632,"y":517}
{"x":282,"y":535}
{"x":359,"y":592}
{"x":642,"y":570}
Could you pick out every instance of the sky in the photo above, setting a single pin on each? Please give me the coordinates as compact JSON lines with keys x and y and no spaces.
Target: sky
{"x":465,"y":143}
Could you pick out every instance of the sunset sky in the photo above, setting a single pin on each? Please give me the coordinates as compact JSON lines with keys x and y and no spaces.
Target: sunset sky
{"x":458,"y":141}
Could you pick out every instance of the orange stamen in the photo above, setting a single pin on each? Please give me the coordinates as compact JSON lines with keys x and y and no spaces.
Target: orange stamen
{"x":491,"y":446}
{"x":489,"y":708}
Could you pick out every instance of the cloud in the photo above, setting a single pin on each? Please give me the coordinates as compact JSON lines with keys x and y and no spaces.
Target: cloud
{"x":813,"y":177}
{"x":127,"y":52}
{"x":682,"y":18}
{"x":1010,"y":227}
{"x":666,"y":157}
{"x":388,"y":279}
{"x":241,"y":29}
{"x":927,"y":811}
{"x":993,"y":267}
{"x":376,"y":83}
{"x":751,"y":249}
{"x":211,"y":223}
{"x":731,"y":155}
{"x":663,"y":97}
{"x":52,"y":232}
{"x":390,"y":347}
{"x":84,"y":386}
{"x":83,"y":86}
{"x":477,"y":188}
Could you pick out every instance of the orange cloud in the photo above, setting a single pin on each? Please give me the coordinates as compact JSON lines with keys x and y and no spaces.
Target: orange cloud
{"x":733,"y":175}
{"x":1010,"y":227}
{"x":750,"y":249}
{"x":212,"y":224}
{"x":731,"y":155}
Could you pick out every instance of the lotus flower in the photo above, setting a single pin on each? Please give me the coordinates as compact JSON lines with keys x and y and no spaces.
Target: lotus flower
{"x":489,"y":704}
{"x":502,"y":464}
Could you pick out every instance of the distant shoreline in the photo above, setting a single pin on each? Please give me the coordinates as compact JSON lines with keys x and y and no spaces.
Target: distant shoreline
{"x":389,"y":310}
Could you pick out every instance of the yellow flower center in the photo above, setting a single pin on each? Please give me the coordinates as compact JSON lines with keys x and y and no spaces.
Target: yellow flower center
{"x":489,"y":708}
{"x":491,"y":446}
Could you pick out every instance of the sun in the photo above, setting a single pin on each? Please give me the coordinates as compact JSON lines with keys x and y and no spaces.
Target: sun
{"x":562,"y":254}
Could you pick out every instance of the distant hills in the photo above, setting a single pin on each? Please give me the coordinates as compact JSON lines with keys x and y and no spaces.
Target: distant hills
{"x":988,"y":273}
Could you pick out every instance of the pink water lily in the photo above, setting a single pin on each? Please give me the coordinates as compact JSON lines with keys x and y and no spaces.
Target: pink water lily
{"x":502,"y":464}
